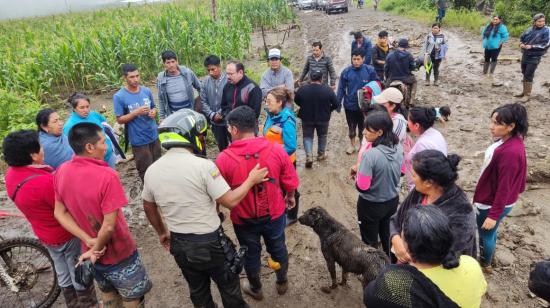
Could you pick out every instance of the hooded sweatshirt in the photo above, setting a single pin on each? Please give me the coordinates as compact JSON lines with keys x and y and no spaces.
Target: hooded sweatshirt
{"x":379,"y":172}
{"x":281,"y":173}
{"x":399,"y":65}
{"x":351,"y":80}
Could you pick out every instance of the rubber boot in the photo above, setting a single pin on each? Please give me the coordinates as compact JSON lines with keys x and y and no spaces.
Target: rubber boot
{"x":253,"y":286}
{"x":492,"y":67}
{"x":71,"y":298}
{"x":436,"y":79}
{"x":527,"y":88}
{"x":309,"y":161}
{"x":292,"y":214}
{"x":486,"y":67}
{"x":522,"y":92}
{"x":87,"y":298}
{"x":282,"y":281}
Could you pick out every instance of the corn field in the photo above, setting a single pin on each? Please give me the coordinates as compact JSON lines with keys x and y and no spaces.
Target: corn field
{"x":44,"y":58}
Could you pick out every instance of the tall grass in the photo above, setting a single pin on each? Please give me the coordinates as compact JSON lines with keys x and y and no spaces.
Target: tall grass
{"x":44,"y":58}
{"x":515,"y":14}
{"x":425,"y":11}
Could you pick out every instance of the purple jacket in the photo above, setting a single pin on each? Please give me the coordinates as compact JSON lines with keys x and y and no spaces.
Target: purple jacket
{"x":504,"y":178}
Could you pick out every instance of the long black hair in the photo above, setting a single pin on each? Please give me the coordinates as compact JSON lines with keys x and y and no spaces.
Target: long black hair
{"x":513,"y":114}
{"x":434,"y":166}
{"x":429,"y":238}
{"x":380,"y":120}
{"x":425,"y":116}
{"x":43,"y":118}
{"x":492,"y":28}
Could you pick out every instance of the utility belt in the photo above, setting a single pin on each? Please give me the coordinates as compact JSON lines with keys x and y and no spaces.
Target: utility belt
{"x":234,"y":259}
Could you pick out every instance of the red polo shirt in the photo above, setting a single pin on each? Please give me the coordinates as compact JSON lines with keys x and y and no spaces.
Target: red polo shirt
{"x":90,"y":189}
{"x":36,"y":200}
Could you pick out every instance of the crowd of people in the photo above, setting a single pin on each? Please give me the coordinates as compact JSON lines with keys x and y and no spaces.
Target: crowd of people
{"x":432,"y":236}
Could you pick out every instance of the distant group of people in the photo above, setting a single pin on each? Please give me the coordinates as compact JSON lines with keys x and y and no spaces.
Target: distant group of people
{"x":434,"y":229}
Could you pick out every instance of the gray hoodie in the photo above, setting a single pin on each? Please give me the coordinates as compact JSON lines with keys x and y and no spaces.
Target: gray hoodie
{"x":383,"y":165}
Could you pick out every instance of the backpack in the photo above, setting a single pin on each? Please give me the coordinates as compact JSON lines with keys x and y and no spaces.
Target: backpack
{"x":258,"y":196}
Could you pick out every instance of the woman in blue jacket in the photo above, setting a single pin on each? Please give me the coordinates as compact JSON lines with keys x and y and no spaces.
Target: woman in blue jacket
{"x":495,"y":34}
{"x":280,"y":127}
{"x":81,"y":113}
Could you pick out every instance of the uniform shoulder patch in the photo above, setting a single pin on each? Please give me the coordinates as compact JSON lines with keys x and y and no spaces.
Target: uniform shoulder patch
{"x":214,"y":172}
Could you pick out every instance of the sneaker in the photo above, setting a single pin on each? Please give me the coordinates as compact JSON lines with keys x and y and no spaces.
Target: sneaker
{"x":350,"y":150}
{"x":309,"y":161}
{"x":281,"y":287}
{"x":321,"y":157}
{"x":247,"y":289}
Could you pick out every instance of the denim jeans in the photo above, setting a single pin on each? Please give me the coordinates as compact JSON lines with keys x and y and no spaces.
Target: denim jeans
{"x":440,"y":14}
{"x":488,"y":238}
{"x":64,"y":259}
{"x":308,"y":130}
{"x":273,"y":233}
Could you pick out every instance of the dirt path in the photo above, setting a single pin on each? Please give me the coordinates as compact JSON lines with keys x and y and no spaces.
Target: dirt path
{"x":523,"y":237}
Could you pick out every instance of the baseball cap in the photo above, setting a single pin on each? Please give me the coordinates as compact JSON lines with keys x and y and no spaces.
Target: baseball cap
{"x":403,"y":43}
{"x":389,"y":95}
{"x":274,"y":53}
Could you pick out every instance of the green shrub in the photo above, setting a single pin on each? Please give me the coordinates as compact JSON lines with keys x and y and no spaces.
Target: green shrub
{"x":18,"y":112}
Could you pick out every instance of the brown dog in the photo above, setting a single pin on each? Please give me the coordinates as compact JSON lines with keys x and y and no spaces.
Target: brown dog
{"x":341,"y":246}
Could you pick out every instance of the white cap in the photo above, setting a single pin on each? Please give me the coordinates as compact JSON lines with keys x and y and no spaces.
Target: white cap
{"x":274,"y":53}
{"x":389,"y":95}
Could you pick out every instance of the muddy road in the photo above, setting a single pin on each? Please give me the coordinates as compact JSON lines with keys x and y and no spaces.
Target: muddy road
{"x":523,"y":237}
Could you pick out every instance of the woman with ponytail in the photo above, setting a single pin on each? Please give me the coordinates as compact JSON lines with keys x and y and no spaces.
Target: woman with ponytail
{"x":503,"y":176}
{"x":494,"y":34}
{"x":420,"y":122}
{"x":435,"y":178}
{"x":280,"y":127}
{"x":434,"y":277}
{"x":377,"y":180}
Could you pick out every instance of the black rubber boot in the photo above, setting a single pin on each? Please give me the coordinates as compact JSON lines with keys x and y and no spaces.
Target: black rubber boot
{"x":486,"y":67}
{"x":253,"y":286}
{"x":71,"y":299}
{"x":282,"y":280}
{"x":87,"y":298}
{"x":292,"y":215}
{"x":493,"y":66}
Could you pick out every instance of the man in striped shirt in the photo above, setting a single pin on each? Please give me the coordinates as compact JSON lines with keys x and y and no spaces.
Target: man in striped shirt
{"x":318,"y":61}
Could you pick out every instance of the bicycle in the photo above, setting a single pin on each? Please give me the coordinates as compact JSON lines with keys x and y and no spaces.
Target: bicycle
{"x":27,"y":274}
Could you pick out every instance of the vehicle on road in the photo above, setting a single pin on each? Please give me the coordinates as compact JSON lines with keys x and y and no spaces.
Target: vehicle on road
{"x":336,"y":5}
{"x":305,"y":4}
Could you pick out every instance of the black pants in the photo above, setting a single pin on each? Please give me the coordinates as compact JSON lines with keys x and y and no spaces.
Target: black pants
{"x":528,"y":67}
{"x":435,"y":69}
{"x":293,"y":213}
{"x":356,"y":123}
{"x":491,"y":55}
{"x":374,"y":221}
{"x":201,"y":258}
{"x":222,"y":136}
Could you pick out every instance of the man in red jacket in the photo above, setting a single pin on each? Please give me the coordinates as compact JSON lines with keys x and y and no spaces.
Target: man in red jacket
{"x":261,"y":212}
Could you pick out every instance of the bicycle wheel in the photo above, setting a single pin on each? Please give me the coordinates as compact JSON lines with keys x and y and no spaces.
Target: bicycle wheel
{"x":32,"y":268}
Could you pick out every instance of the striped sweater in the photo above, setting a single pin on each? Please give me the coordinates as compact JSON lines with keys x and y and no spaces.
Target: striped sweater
{"x":324,"y":64}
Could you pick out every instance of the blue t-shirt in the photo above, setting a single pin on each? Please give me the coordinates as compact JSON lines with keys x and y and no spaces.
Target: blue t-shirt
{"x":93,"y":117}
{"x":141,"y":130}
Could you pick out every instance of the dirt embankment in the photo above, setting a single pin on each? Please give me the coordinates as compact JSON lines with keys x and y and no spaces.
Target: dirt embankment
{"x":523,"y":236}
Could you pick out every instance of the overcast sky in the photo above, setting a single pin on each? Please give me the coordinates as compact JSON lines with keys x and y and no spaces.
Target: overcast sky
{"x":28,"y":8}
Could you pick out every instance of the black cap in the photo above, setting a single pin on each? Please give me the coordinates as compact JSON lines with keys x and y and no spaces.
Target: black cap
{"x":403,"y":43}
{"x":316,"y":75}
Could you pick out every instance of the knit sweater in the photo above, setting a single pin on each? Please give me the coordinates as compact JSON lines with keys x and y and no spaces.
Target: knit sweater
{"x":504,"y":178}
